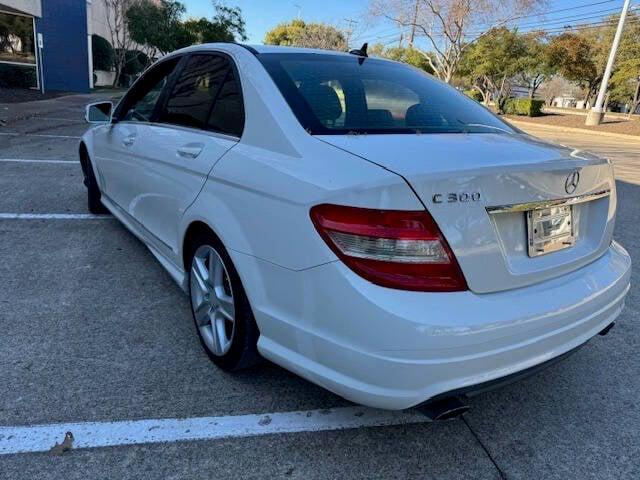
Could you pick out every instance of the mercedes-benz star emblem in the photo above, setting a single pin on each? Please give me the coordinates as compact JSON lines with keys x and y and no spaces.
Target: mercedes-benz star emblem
{"x":571,"y":183}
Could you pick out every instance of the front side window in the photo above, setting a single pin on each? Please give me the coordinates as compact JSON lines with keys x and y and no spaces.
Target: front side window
{"x":195,"y":90}
{"x":340,"y":94}
{"x":140,"y":103}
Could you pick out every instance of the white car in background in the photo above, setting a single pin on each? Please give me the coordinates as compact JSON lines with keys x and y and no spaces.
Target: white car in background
{"x":358,"y":222}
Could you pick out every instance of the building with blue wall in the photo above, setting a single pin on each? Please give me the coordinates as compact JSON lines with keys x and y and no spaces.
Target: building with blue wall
{"x":48,"y":45}
{"x":65,"y":52}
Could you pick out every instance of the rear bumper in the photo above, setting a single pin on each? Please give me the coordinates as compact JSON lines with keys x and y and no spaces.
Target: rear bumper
{"x":394,"y":349}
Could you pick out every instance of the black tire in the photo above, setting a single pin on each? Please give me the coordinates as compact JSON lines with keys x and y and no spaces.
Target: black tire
{"x":94,"y":204}
{"x":243,"y":352}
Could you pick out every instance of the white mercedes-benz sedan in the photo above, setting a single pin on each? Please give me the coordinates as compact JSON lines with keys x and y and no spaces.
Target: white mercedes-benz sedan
{"x":358,"y":222}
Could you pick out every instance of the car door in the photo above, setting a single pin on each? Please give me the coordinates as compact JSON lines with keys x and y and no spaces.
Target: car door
{"x":116,"y":146}
{"x":187,"y":136}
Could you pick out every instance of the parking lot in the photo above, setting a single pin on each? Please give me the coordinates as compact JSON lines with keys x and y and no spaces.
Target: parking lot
{"x":94,"y":330}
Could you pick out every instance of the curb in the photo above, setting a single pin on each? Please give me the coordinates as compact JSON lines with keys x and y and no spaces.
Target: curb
{"x":575,"y":130}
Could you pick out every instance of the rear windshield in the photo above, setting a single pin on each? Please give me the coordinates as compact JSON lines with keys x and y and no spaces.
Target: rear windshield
{"x":334,"y":94}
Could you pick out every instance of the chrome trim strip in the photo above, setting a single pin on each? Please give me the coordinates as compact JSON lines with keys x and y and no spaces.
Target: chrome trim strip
{"x":170,"y":126}
{"x":523,"y":207}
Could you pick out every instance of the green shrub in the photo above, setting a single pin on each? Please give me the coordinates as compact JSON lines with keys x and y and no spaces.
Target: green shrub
{"x":12,"y":76}
{"x":523,"y":106}
{"x":475,"y":94}
{"x":102,"y":53}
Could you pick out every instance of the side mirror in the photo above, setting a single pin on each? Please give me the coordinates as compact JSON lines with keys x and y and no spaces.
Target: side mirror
{"x":100,"y":112}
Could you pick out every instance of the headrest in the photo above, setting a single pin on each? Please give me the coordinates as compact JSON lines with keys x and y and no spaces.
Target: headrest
{"x":380,"y":118}
{"x":416,"y":116}
{"x":420,"y":115}
{"x":323,"y":100}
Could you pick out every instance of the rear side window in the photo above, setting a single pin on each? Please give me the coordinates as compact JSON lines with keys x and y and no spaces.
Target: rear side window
{"x":195,"y":90}
{"x":227,"y":115}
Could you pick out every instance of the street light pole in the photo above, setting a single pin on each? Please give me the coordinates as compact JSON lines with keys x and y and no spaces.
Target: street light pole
{"x":596,"y":114}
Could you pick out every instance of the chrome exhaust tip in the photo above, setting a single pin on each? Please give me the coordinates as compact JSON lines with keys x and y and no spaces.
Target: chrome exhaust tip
{"x":606,"y":329}
{"x":446,"y":408}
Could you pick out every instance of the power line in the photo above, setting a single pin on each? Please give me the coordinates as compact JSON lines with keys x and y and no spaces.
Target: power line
{"x":563,"y":9}
{"x":576,"y":23}
{"x":530,"y":26}
{"x":392,"y":41}
{"x":566,"y":28}
{"x":535,"y":26}
{"x":600,"y":13}
{"x":384,"y":32}
{"x":380,"y":37}
{"x":589,"y":26}
{"x":350,"y":23}
{"x":540,"y":26}
{"x":376,"y":39}
{"x":542,"y":14}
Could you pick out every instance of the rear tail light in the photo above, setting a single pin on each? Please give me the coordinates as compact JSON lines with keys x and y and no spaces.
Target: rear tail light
{"x":393,"y":248}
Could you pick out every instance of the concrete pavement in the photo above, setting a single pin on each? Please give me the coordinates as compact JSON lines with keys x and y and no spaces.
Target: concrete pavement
{"x":93,"y":329}
{"x":623,"y":152}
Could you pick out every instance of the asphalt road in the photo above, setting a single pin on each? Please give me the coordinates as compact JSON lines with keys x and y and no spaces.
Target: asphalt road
{"x":93,"y":330}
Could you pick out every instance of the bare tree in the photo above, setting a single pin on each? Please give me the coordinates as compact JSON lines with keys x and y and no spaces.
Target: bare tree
{"x":450,"y":26}
{"x":557,"y":86}
{"x":116,"y":19}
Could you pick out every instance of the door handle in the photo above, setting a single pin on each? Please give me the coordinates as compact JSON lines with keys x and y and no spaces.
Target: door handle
{"x":128,"y":141}
{"x":190,"y":151}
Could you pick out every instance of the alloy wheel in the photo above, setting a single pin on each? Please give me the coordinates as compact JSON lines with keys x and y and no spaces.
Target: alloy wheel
{"x":212,"y":300}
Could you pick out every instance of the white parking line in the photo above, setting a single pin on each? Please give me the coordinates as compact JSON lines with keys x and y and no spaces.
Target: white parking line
{"x":34,"y":160}
{"x":43,"y":135}
{"x":52,"y":216}
{"x":41,"y":438}
{"x":60,"y":119}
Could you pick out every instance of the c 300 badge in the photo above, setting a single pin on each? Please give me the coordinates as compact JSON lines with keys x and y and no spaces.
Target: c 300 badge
{"x":462,"y":197}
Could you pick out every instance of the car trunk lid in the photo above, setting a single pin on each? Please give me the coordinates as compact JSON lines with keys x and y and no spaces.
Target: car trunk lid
{"x":470,"y":182}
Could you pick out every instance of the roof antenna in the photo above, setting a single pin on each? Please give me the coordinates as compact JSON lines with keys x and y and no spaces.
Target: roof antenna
{"x":362,"y":52}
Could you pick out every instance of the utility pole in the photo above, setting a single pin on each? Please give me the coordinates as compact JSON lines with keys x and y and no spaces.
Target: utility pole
{"x":636,"y":97}
{"x":349,"y":31}
{"x":596,"y":114}
{"x":413,"y":24}
{"x":299,"y":10}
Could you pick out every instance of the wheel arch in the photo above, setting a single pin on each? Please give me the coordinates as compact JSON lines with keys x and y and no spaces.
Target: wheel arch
{"x":83,"y":154}
{"x":85,"y":160}
{"x":193,"y":230}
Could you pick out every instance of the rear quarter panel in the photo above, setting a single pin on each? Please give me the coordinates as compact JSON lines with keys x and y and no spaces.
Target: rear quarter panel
{"x":258,"y":201}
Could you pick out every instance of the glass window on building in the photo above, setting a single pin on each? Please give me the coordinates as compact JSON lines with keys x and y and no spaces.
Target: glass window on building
{"x":17,"y":51}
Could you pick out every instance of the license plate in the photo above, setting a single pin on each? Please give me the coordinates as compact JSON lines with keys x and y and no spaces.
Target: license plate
{"x":550,"y":229}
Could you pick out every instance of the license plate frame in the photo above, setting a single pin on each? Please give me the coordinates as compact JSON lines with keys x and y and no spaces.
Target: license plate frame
{"x":550,"y":228}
